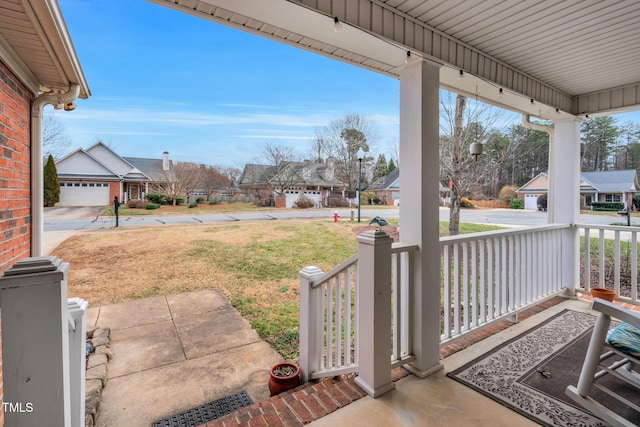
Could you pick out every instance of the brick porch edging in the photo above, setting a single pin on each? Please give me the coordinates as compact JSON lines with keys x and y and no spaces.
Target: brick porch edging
{"x":314,"y":400}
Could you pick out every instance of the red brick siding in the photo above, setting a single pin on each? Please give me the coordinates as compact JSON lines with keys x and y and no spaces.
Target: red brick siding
{"x":114,"y":190}
{"x":15,"y":176}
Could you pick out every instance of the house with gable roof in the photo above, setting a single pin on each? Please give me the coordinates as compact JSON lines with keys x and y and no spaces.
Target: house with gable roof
{"x":94,"y":176}
{"x":285,"y":185}
{"x":599,"y":186}
{"x":387,"y":189}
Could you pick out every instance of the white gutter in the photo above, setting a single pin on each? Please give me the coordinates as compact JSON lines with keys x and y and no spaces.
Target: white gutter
{"x":548,"y":129}
{"x":37,"y":173}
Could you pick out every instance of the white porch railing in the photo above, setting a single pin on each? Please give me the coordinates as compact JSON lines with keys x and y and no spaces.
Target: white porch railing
{"x":328,"y":315}
{"x":486,"y":277}
{"x":489,"y":276}
{"x":609,"y":258}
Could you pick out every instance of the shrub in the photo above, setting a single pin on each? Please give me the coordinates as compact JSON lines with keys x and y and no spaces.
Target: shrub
{"x":466,"y":203}
{"x":304,"y":203}
{"x":508,"y":193}
{"x":152,"y":206}
{"x":516,"y":204}
{"x":193,"y":205}
{"x":636,"y":200}
{"x":214,"y":202}
{"x":134,"y":204}
{"x":154,"y":198}
{"x":607,"y":206}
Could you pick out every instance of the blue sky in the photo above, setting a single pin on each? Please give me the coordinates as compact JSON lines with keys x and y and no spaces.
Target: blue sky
{"x":164,"y":80}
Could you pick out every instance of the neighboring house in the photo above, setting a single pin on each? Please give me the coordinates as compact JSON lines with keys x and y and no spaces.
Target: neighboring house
{"x":387,"y":189}
{"x":297,"y":180}
{"x":602,"y":186}
{"x":93,"y":177}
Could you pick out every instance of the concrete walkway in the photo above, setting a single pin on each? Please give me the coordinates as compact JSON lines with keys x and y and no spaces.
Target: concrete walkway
{"x":177,"y":352}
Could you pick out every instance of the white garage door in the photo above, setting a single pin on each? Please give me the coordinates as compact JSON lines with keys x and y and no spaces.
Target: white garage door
{"x":531,"y":201}
{"x":84,"y":194}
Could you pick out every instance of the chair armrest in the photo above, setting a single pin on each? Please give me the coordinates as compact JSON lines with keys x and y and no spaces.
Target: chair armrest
{"x":620,"y":313}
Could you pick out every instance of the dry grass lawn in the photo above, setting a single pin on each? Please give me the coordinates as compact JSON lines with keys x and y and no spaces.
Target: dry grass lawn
{"x":255,"y":264}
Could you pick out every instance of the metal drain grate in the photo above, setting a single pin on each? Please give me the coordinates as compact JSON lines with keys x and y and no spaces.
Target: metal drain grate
{"x":207,"y":412}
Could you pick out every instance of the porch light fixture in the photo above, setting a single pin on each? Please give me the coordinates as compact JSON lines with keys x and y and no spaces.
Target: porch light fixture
{"x":360,"y":155}
{"x":337,"y":25}
{"x":461,"y":75}
{"x":557,"y":111}
{"x":500,"y":93}
{"x":532,"y":102}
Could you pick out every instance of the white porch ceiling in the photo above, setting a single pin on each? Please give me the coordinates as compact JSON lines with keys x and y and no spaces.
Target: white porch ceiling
{"x":580,"y":56}
{"x":35,"y":44}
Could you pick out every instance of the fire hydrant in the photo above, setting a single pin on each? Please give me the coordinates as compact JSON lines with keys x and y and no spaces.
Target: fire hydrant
{"x":335,"y":216}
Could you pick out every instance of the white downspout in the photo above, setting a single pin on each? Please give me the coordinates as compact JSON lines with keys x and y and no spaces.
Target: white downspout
{"x":37,"y":173}
{"x":548,"y":129}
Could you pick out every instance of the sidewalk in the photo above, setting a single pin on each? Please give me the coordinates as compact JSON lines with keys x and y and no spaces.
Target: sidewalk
{"x":173,"y":353}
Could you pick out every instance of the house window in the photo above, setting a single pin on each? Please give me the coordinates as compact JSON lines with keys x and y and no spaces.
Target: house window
{"x":76,"y":184}
{"x":84,"y":184}
{"x":91,"y":184}
{"x":612,"y":198}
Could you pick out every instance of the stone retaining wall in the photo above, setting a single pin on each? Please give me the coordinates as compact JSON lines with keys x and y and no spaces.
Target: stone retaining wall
{"x":96,"y":371}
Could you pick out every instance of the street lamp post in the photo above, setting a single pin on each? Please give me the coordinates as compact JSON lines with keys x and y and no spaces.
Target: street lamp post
{"x":360,"y":155}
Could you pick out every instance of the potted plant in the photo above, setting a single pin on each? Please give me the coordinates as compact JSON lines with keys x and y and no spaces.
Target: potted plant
{"x":283,"y":376}
{"x":604,"y":293}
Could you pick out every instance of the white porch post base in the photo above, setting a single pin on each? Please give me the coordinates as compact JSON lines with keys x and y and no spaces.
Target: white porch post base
{"x":373,"y":305}
{"x":374,"y":391}
{"x":424,"y":373}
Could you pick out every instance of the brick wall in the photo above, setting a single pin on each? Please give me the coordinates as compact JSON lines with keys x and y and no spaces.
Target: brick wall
{"x":15,"y":176}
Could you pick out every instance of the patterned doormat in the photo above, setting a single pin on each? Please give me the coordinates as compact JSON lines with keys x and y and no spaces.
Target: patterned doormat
{"x":207,"y":412}
{"x":530,"y":372}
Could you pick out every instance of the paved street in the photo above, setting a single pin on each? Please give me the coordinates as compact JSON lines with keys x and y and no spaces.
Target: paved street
{"x":82,"y":218}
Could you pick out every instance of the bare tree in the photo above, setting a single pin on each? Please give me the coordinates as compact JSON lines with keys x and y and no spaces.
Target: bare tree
{"x":460,"y":127}
{"x":54,"y":138}
{"x":341,"y":141}
{"x":213,"y":179}
{"x":281,"y":160}
{"x":180,"y":180}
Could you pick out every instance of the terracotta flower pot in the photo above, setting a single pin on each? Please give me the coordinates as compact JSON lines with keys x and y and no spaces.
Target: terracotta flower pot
{"x":605,"y":294}
{"x":283,"y":376}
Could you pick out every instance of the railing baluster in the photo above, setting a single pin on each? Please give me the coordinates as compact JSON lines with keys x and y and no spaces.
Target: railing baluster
{"x":465,"y":286}
{"x":446,"y":289}
{"x":616,"y":264}
{"x":348,"y":317}
{"x":634,"y":266}
{"x":490,"y":279}
{"x":482,"y":247}
{"x":587,"y":259}
{"x":474,"y":284}
{"x":456,"y":288}
{"x":601,"y":258}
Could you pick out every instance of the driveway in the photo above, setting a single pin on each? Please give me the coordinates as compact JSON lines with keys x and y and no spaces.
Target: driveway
{"x":72,"y":212}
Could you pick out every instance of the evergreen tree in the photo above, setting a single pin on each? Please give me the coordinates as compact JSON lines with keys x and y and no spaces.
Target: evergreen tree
{"x":392,"y":166}
{"x":599,"y":137}
{"x":380,"y":168}
{"x":51,"y":184}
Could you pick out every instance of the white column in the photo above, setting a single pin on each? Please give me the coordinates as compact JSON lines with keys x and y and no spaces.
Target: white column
{"x":564,"y":195}
{"x":35,"y":343}
{"x":419,"y":210}
{"x":373,"y":308}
